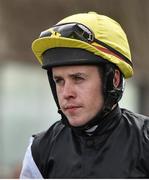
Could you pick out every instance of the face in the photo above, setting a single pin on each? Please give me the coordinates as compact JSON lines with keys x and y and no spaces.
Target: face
{"x":79,"y":91}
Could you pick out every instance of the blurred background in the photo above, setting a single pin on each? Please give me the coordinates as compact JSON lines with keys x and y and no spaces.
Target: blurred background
{"x":26,"y":103}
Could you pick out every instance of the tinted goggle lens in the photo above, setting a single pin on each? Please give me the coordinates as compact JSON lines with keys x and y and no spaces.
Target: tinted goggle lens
{"x":73,"y":31}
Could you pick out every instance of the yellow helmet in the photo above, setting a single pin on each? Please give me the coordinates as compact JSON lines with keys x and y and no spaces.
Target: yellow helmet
{"x":98,"y":34}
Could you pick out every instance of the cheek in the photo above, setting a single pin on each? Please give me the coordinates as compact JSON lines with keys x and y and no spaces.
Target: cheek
{"x":92,"y":95}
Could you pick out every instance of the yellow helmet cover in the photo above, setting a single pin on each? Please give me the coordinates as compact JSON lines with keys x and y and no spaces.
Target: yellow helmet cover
{"x":105,"y":30}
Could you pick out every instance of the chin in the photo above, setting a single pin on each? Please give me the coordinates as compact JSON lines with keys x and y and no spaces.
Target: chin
{"x":77,"y":122}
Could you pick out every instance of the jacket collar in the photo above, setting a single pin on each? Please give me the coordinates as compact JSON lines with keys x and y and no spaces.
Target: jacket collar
{"x":100,"y":125}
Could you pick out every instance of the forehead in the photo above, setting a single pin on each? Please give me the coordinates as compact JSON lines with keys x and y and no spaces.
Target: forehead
{"x":85,"y":69}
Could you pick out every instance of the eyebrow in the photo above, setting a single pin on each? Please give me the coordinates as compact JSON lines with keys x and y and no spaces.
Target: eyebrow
{"x":71,"y":75}
{"x":78,"y":74}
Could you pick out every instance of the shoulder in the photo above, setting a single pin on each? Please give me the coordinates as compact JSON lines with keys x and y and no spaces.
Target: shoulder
{"x":141,"y":125}
{"x":139,"y":120}
{"x":43,"y":143}
{"x":50,"y":133}
{"x":29,"y":169}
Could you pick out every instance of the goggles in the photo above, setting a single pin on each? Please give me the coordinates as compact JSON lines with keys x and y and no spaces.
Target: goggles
{"x":80,"y":32}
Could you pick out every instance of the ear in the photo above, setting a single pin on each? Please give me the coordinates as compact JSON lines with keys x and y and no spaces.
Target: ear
{"x":117,"y":78}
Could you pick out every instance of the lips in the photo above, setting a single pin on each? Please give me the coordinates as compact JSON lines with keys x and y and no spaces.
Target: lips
{"x":71,"y":108}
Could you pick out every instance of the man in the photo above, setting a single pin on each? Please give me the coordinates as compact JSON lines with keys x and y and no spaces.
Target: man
{"x":87,"y":57}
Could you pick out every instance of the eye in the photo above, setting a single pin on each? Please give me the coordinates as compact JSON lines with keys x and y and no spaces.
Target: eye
{"x":78,"y":79}
{"x":59,"y":81}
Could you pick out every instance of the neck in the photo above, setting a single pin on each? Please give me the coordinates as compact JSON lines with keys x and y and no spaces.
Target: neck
{"x":100,"y":124}
{"x":99,"y":120}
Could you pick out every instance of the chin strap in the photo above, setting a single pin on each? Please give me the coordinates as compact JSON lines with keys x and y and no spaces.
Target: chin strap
{"x":112,"y":94}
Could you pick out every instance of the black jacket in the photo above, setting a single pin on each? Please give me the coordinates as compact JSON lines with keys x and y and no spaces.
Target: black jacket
{"x":118,"y":148}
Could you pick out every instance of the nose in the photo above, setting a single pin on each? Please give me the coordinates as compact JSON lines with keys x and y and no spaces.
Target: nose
{"x":69,"y":90}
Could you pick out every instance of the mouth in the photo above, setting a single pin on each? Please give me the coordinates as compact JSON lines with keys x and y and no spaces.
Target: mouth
{"x":72,"y":108}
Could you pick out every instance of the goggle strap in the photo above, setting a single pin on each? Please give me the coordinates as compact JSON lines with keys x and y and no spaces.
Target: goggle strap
{"x":117,"y":53}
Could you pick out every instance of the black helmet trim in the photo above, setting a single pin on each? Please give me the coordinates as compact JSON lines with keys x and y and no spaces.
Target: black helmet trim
{"x":69,"y":56}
